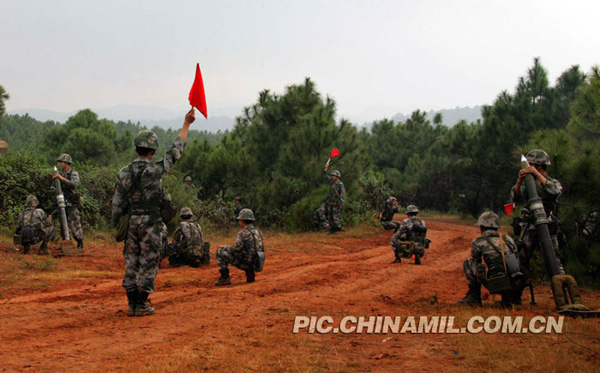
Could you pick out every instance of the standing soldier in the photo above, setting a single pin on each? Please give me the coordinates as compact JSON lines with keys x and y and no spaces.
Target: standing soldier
{"x":69,"y":180}
{"x":410,"y":239}
{"x":334,"y":203}
{"x":34,"y":226}
{"x":389,"y":209}
{"x":139,"y":198}
{"x":244,"y":254}
{"x":188,"y":242}
{"x":549,"y":190}
{"x":238,"y":207}
{"x":493,"y":263}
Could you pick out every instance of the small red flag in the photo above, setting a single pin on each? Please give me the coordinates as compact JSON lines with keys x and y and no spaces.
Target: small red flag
{"x":197,"y":98}
{"x":508,"y":209}
{"x":334,"y":153}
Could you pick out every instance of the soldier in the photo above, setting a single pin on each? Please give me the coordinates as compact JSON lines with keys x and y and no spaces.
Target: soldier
{"x":489,"y":259}
{"x":334,"y":203}
{"x":188,"y":183}
{"x":410,"y":239}
{"x":319,"y":218}
{"x":244,"y":253}
{"x":69,"y":180}
{"x":139,"y":197}
{"x":188,"y":243}
{"x":222,"y":213}
{"x":238,"y":207}
{"x":549,"y":190}
{"x":389,"y":209}
{"x":589,"y":226}
{"x":34,"y":226}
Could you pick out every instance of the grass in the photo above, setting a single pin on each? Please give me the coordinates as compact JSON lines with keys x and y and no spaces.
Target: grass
{"x":577,"y":348}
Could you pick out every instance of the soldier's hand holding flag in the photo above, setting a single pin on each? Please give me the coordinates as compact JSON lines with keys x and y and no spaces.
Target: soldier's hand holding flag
{"x":334,"y":153}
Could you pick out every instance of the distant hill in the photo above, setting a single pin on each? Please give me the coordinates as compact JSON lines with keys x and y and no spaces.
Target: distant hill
{"x":148,"y":116}
{"x":449,"y":116}
{"x":151,"y":116}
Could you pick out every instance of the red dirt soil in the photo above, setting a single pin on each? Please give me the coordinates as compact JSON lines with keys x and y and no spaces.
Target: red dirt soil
{"x":82,"y":325}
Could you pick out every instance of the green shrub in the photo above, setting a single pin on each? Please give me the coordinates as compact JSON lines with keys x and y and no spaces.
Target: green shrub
{"x":298,"y":217}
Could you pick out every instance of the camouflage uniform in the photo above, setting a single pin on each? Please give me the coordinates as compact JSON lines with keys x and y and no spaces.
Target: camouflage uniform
{"x":486,"y":248}
{"x":589,"y":226}
{"x":389,"y":209}
{"x":146,"y":230}
{"x":549,"y":194}
{"x":72,"y":202}
{"x":414,"y":230}
{"x":40,"y":227}
{"x":221,"y":216}
{"x":189,"y":185}
{"x":487,"y":261}
{"x":335,"y":201}
{"x":319,"y":218}
{"x":243,"y":253}
{"x":238,"y":207}
{"x":188,"y":245}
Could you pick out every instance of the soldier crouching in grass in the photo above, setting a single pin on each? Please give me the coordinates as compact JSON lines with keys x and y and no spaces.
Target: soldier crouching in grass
{"x":246,"y":254}
{"x":139,"y":197}
{"x":34,"y":226}
{"x":493,"y":263}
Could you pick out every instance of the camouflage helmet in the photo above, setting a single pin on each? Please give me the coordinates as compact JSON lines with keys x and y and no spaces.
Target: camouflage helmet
{"x":65,"y":158}
{"x":412,"y":209}
{"x":489,"y":219}
{"x":186,"y":211}
{"x":335,"y":173}
{"x":146,"y":139}
{"x":246,"y":214}
{"x":238,"y":198}
{"x":188,"y":178}
{"x":539,"y":157}
{"x":31,"y":201}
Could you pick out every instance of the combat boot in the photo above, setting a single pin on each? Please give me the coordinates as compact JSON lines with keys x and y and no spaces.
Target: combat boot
{"x":250,"y":275}
{"x":26,"y":249}
{"x":397,"y":260}
{"x":417,"y":260}
{"x":132,"y":298}
{"x":43,"y":249}
{"x":224,"y":279}
{"x":473,"y":297}
{"x":334,"y":230}
{"x":142,"y":307}
{"x":79,"y":244}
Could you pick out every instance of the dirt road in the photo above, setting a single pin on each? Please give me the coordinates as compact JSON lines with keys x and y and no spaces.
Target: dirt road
{"x":79,"y":324}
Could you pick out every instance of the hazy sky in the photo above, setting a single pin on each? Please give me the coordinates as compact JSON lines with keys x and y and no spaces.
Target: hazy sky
{"x":375,"y":58}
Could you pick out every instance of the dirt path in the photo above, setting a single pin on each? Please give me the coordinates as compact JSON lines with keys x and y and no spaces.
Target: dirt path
{"x":249,"y":326}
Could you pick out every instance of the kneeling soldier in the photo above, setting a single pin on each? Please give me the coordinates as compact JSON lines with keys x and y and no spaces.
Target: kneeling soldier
{"x":493,"y":263}
{"x":410,"y":239}
{"x":34,"y":226}
{"x":245,"y":253}
{"x":188,"y":243}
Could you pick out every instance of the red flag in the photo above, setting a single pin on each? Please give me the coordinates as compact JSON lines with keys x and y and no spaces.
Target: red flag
{"x":334,"y":153}
{"x":197,"y":98}
{"x":508,"y":209}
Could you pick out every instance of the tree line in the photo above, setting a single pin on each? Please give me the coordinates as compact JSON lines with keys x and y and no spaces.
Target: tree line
{"x":274,"y":156}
